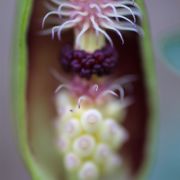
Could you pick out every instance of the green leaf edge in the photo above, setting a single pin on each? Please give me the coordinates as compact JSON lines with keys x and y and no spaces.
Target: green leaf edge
{"x":151,"y":89}
{"x":19,"y":78}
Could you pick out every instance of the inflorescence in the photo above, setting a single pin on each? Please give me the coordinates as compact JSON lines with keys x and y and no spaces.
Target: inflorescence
{"x":94,"y":15}
{"x":101,"y":62}
{"x":89,"y":131}
{"x":91,"y":20}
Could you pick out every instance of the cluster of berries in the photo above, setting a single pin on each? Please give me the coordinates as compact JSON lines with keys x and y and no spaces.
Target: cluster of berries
{"x":101,"y":62}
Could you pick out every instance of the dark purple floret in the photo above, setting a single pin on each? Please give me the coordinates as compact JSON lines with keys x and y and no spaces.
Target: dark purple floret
{"x":101,"y":62}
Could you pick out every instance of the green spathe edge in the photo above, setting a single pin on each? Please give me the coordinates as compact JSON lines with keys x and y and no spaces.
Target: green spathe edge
{"x":19,"y":78}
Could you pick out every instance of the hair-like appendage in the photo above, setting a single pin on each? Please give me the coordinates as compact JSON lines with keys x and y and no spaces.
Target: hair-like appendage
{"x":89,"y":126}
{"x":91,"y":19}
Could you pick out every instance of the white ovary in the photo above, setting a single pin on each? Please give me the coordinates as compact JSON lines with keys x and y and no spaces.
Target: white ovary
{"x":90,"y":137}
{"x":72,"y":128}
{"x":114,"y":163}
{"x":84,"y":146}
{"x":89,"y":171}
{"x":72,"y":162}
{"x":63,"y":144}
{"x":113,"y":134}
{"x":115,"y":110}
{"x":102,"y":154}
{"x":91,"y":120}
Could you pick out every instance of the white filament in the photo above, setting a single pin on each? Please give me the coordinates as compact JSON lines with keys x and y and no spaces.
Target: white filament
{"x":96,"y":7}
{"x":126,"y":7}
{"x":97,"y":20}
{"x":84,"y":29}
{"x":60,"y":87}
{"x":47,"y":15}
{"x":112,"y":7}
{"x":68,"y":24}
{"x":114,"y":29}
{"x":97,"y":28}
{"x":68,"y":5}
{"x":82,"y":98}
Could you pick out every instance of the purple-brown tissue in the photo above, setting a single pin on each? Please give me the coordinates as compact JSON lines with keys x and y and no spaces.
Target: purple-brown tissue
{"x":101,"y":62}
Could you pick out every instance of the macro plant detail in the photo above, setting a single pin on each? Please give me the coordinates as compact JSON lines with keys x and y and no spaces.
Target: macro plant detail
{"x":90,"y":21}
{"x":88,"y":128}
{"x":92,"y":18}
{"x":85,"y":93}
{"x":100,"y":63}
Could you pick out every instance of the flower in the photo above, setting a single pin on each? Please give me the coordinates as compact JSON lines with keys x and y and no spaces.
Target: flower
{"x":94,"y":17}
{"x":89,"y":133}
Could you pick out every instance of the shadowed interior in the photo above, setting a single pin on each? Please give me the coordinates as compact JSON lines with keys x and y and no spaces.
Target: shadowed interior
{"x":44,"y":56}
{"x":136,"y":119}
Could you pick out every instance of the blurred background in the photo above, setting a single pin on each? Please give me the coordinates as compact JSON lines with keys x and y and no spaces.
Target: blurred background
{"x":164,"y":18}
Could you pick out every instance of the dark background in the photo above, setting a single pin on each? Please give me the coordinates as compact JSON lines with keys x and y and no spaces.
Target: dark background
{"x":164,"y":20}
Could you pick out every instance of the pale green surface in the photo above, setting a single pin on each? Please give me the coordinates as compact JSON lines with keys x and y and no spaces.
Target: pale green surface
{"x":19,"y":76}
{"x":150,"y":83}
{"x":171,"y":51}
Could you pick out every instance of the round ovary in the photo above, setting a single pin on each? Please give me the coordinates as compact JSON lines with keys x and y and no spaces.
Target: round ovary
{"x":91,"y":139}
